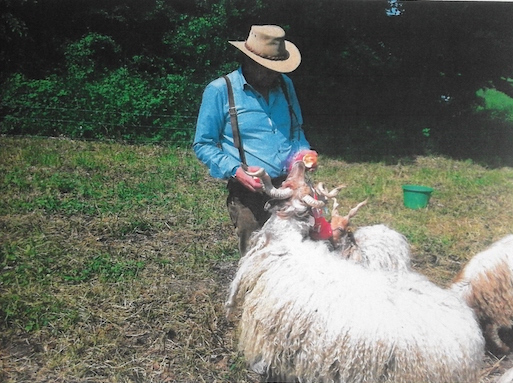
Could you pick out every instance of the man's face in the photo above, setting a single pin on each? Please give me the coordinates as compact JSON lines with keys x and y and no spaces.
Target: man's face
{"x":258,"y":75}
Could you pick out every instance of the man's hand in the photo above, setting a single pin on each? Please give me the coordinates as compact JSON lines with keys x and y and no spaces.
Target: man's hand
{"x":249,"y":182}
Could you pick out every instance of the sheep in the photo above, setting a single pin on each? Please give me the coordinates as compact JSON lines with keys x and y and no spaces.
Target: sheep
{"x":486,"y":284}
{"x":309,"y":315}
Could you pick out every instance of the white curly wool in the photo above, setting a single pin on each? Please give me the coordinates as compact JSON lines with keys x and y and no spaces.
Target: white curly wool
{"x":309,"y":315}
{"x":380,"y":248}
{"x":486,"y":284}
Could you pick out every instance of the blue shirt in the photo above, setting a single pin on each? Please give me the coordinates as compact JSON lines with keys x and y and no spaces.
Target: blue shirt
{"x":265,"y":128}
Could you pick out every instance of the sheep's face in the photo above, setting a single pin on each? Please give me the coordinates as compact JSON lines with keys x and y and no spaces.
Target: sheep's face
{"x":296,"y":180}
{"x":340,"y":225}
{"x":295,"y":193}
{"x":300,"y":195}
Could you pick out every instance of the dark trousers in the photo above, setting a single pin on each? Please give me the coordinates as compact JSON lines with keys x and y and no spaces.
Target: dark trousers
{"x":246,"y":210}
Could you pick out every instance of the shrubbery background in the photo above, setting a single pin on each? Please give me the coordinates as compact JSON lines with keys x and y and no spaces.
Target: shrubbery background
{"x":378,"y":79}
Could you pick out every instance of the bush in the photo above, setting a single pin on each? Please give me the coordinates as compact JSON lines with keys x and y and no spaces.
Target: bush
{"x":94,"y":101}
{"x":111,"y":87}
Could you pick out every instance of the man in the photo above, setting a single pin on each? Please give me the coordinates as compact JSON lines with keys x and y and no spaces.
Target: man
{"x":268,"y":118}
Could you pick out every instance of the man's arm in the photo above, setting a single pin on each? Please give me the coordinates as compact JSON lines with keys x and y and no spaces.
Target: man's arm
{"x":209,"y":130}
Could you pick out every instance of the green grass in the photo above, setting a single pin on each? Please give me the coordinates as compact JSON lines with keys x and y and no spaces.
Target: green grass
{"x":115,"y":259}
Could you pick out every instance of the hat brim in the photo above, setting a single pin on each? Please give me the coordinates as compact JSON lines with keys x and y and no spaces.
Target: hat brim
{"x":282,"y":66}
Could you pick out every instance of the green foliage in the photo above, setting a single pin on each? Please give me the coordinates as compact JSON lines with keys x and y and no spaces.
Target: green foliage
{"x":118,"y":104}
{"x":93,"y":53}
{"x":496,"y":103}
{"x":202,"y":39}
{"x":100,"y":92}
{"x":134,"y":70}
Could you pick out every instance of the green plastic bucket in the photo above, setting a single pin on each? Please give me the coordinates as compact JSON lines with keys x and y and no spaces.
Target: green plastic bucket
{"x":416,"y":197}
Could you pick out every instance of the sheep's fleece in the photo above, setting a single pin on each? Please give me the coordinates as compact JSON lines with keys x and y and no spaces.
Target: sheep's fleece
{"x":381,"y":248}
{"x":309,"y":315}
{"x":486,"y":284}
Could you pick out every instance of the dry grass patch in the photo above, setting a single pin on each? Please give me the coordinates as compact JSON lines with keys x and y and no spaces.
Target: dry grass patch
{"x":115,"y":259}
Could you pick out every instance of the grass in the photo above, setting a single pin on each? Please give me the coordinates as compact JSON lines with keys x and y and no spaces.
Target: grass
{"x":115,"y":259}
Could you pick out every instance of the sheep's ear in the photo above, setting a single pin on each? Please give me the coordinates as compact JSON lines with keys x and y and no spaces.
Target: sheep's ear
{"x":355,"y":209}
{"x":334,"y":211}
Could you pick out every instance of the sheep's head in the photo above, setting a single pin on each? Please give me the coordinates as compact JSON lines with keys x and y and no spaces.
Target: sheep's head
{"x":295,"y":190}
{"x":340,"y":224}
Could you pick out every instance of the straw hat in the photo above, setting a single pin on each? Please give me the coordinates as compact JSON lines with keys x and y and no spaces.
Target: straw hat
{"x":267,"y":46}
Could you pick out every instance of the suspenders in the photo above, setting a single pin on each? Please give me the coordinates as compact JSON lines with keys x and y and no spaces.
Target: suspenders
{"x":237,"y":141}
{"x":233,"y":121}
{"x":291,"y":109}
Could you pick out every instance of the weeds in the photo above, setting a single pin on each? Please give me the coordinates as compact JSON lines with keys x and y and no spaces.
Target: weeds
{"x":106,"y":269}
{"x":115,"y":259}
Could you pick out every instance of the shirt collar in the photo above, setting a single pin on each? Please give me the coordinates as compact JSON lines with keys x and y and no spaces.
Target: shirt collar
{"x":245,"y":85}
{"x":243,"y":81}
